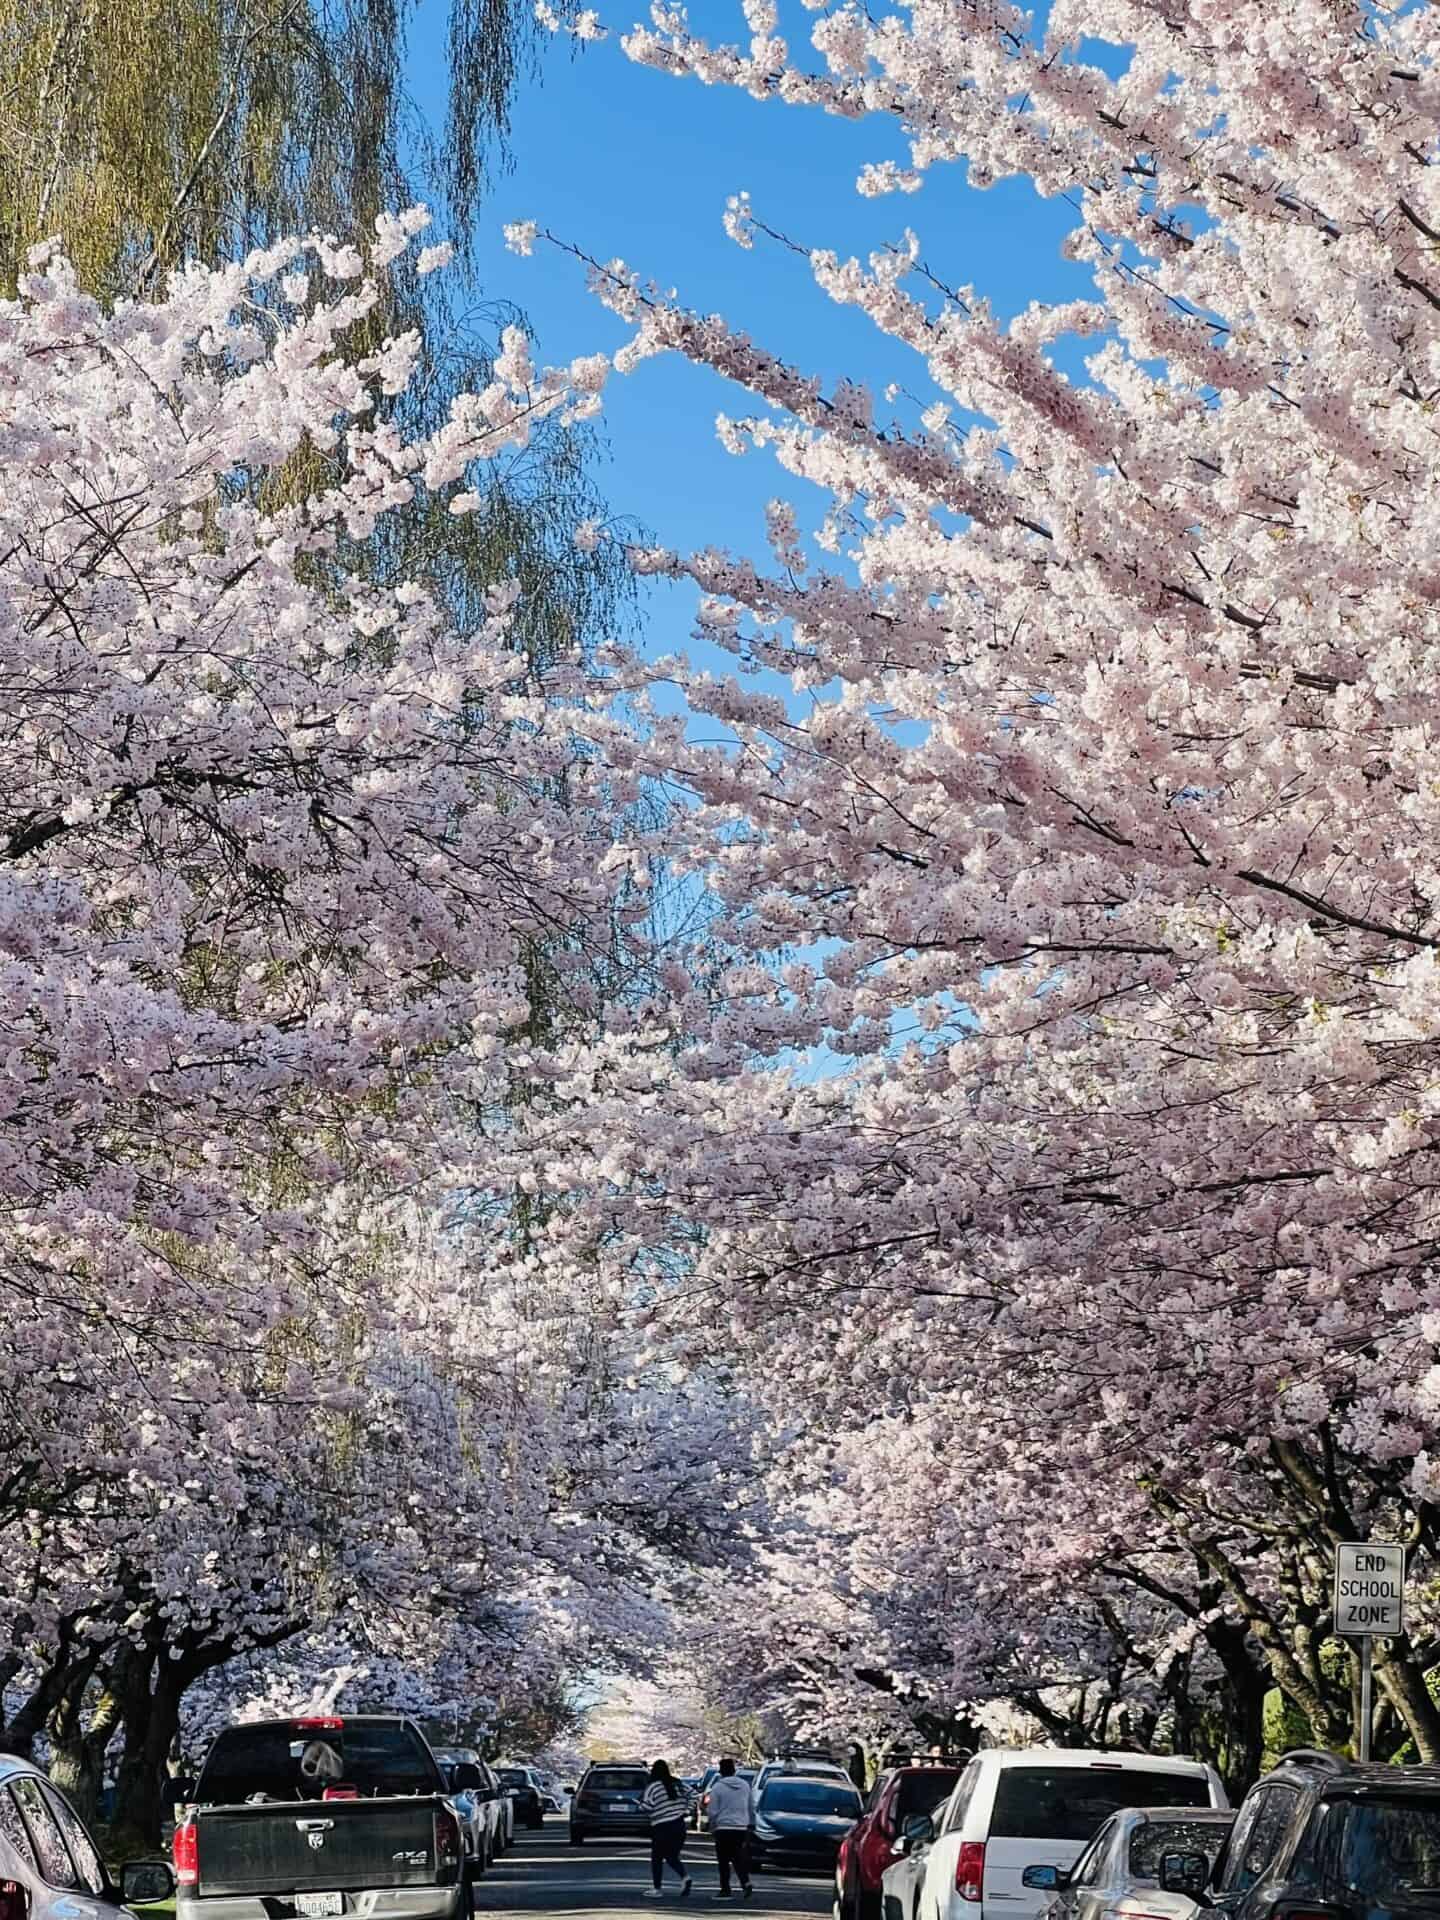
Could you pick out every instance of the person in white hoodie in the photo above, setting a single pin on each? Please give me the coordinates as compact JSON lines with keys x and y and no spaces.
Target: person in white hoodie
{"x":732,"y":1821}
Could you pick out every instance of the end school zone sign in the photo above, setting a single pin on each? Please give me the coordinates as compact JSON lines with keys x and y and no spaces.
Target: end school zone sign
{"x":1369,"y":1589}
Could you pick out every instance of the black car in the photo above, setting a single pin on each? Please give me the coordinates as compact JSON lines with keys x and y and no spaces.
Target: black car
{"x":1327,"y":1839}
{"x":607,"y":1800}
{"x":800,"y":1821}
{"x":525,"y":1790}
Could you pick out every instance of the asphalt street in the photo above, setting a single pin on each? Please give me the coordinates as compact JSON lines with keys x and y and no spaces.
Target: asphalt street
{"x":543,"y":1873}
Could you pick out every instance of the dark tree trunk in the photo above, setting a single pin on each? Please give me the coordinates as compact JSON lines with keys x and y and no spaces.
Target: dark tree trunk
{"x":152,"y":1720}
{"x":1246,"y":1682}
{"x":77,"y":1746}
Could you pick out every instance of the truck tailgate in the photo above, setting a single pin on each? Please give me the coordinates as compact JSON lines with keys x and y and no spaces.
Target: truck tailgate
{"x":287,"y":1846}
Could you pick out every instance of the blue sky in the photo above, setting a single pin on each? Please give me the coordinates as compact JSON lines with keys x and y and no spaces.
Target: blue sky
{"x":626,"y":161}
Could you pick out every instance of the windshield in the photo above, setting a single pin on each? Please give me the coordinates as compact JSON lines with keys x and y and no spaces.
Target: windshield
{"x":1383,"y":1852}
{"x":1068,"y":1803}
{"x":514,"y":1777}
{"x":455,"y":1756}
{"x":815,"y":1797}
{"x":285,"y":1761}
{"x":1158,"y":1837}
{"x":616,"y":1780}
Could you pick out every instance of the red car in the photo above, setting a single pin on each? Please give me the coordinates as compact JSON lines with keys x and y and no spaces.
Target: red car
{"x":868,"y":1849}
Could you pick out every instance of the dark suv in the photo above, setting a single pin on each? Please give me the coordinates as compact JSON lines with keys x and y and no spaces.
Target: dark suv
{"x":1321,"y":1838}
{"x":607,"y":1801}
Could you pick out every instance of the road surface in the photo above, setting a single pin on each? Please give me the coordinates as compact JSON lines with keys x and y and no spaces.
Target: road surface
{"x":543,"y":1873}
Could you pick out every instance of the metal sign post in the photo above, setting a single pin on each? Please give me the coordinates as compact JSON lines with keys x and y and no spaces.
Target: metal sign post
{"x":1369,"y":1601}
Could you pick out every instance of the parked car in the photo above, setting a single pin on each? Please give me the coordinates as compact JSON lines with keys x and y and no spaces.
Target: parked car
{"x":870,"y":1846}
{"x":1321,"y":1836}
{"x":607,"y":1800}
{"x":800,"y":1820}
{"x":901,"y":1882}
{"x":806,"y":1769}
{"x":1117,"y":1877}
{"x":505,"y":1815}
{"x":1017,"y":1807}
{"x":526,"y":1794}
{"x":702,"y":1796}
{"x":477,"y":1804}
{"x":556,"y":1799}
{"x":50,"y":1867}
{"x":318,"y":1816}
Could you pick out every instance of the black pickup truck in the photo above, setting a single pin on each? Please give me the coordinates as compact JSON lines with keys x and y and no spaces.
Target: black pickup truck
{"x":318,"y":1817}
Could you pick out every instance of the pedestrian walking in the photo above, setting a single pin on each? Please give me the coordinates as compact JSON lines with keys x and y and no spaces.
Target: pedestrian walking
{"x":732,"y":1821}
{"x":668,"y":1806}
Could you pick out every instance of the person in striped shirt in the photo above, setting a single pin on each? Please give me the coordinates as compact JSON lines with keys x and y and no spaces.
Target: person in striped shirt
{"x":668,"y":1805}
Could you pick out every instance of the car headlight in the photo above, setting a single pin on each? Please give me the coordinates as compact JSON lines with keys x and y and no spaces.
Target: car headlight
{"x":764,"y":1831}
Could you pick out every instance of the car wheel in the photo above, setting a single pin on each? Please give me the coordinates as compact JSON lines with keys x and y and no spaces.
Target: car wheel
{"x":577,"y":1838}
{"x":867,"y":1905}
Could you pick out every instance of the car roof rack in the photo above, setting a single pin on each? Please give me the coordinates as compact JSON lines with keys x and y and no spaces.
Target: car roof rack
{"x":1314,"y":1756}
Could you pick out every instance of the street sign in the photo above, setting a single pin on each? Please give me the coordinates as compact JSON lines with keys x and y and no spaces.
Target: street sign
{"x":1369,"y":1589}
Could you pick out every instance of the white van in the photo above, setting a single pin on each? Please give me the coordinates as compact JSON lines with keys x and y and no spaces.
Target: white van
{"x":1018,"y":1807}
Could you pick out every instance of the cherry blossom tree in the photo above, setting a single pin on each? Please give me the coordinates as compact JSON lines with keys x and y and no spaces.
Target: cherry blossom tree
{"x":1100,"y":842}
{"x":284,"y":844}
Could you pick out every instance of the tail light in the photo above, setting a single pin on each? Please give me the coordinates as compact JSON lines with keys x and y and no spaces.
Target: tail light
{"x":970,"y":1870}
{"x":447,"y":1838}
{"x":14,"y":1901}
{"x":185,"y":1852}
{"x":310,"y":1721}
{"x":341,"y":1792}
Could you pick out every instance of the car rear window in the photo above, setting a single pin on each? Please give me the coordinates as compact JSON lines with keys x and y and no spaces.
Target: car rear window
{"x":923,"y":1791}
{"x":285,"y":1761}
{"x":1158,"y":1837}
{"x":1068,"y":1803}
{"x":616,"y":1780}
{"x":815,"y":1797}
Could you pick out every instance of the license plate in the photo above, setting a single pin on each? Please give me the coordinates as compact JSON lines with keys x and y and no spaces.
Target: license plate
{"x":317,"y":1906}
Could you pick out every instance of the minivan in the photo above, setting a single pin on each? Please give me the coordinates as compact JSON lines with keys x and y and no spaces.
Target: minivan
{"x":1018,"y":1807}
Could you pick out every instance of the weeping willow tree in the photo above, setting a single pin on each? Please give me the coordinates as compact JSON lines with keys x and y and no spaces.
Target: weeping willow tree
{"x":149,"y":131}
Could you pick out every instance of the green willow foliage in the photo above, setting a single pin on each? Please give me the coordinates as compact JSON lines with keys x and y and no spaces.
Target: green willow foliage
{"x":150,"y":131}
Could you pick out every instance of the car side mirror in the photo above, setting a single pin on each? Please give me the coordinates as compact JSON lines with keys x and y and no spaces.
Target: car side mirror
{"x":567,"y":1789}
{"x":1187,"y":1873}
{"x":143,"y":1883}
{"x":918,"y":1831}
{"x":465,"y":1777}
{"x":1044,"y":1879}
